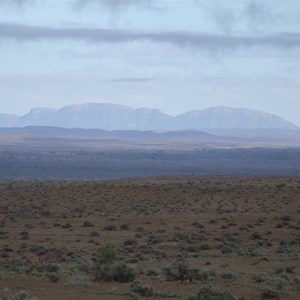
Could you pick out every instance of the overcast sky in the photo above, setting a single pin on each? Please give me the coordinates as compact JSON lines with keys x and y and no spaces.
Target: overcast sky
{"x":175,"y":55}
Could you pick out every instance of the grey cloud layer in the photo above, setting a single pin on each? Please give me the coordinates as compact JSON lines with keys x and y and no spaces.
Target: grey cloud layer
{"x":212,"y":42}
{"x":227,"y":16}
{"x":112,"y":4}
{"x":133,"y":80}
{"x":19,"y":3}
{"x":81,"y":4}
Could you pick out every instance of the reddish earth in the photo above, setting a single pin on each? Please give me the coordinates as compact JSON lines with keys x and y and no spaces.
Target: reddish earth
{"x":226,"y":228}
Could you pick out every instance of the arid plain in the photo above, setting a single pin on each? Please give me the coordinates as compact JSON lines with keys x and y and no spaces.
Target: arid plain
{"x":195,"y":237}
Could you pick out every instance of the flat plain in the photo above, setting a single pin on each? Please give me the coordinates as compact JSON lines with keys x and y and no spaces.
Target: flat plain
{"x":188,"y":237}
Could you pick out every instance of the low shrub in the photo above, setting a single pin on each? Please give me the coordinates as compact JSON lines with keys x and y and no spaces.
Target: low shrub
{"x":111,"y":227}
{"x":228,"y":276}
{"x":180,"y":271}
{"x":125,"y":226}
{"x":22,"y":295}
{"x":124,"y":273}
{"x":269,"y":292}
{"x":106,"y":269}
{"x":275,"y":287}
{"x":88,"y":224}
{"x":259,"y":277}
{"x":144,"y":290}
{"x":54,"y":276}
{"x":212,"y":293}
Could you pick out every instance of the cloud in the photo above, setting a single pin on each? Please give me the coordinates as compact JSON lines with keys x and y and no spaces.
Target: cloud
{"x":255,"y":10}
{"x":195,"y":40}
{"x":133,"y":80}
{"x":19,"y":3}
{"x":224,"y":16}
{"x":14,"y":2}
{"x":259,"y":12}
{"x":252,"y":13}
{"x":112,"y":5}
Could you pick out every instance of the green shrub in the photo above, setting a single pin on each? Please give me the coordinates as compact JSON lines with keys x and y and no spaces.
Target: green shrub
{"x":104,"y":258}
{"x":88,"y":224}
{"x":269,"y":292}
{"x":111,"y":227}
{"x":24,"y":235}
{"x":281,"y":270}
{"x":179,"y":236}
{"x":259,"y":277}
{"x":144,"y":290}
{"x":22,"y":295}
{"x":205,"y":246}
{"x":94,"y":234}
{"x":180,"y":271}
{"x":120,"y":273}
{"x":255,"y":235}
{"x":286,"y":218}
{"x":125,"y":226}
{"x":211,"y":293}
{"x":130,"y":242}
{"x":123,"y":273}
{"x":151,"y":272}
{"x":106,"y":255}
{"x":296,"y":280}
{"x":198,"y":225}
{"x":243,"y":228}
{"x":275,"y":286}
{"x":54,"y":276}
{"x":177,"y":271}
{"x":103,"y":272}
{"x":53,"y":267}
{"x":228,"y":276}
{"x":106,"y":270}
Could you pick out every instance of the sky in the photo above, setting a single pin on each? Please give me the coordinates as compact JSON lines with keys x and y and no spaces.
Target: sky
{"x":174,"y":55}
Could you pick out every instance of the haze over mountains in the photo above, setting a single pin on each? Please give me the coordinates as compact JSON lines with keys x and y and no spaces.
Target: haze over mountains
{"x":93,"y":141}
{"x":118,"y":117}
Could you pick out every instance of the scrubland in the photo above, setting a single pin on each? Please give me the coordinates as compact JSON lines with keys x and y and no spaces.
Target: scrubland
{"x":195,"y":237}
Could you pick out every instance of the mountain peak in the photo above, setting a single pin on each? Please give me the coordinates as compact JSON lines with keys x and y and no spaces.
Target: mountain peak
{"x":222,"y":117}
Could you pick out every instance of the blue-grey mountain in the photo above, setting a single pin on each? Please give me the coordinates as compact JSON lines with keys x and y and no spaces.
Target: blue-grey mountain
{"x":118,"y":117}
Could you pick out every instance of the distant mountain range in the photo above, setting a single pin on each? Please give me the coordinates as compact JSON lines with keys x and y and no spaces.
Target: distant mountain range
{"x":118,"y":117}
